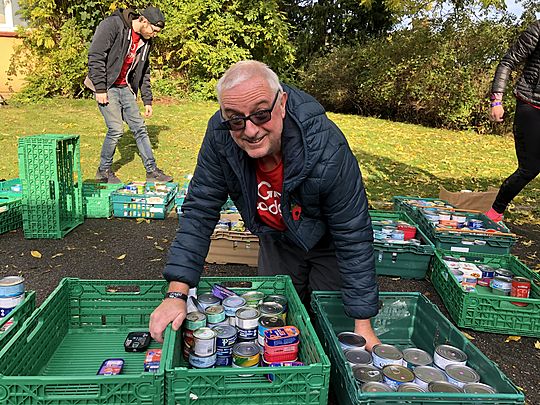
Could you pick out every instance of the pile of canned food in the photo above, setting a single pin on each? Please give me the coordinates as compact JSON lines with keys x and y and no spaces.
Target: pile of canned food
{"x":456,"y":220}
{"x":11,"y":295}
{"x":389,"y":369}
{"x":142,"y":187}
{"x":498,"y":281}
{"x":243,"y":331}
{"x":390,"y":231}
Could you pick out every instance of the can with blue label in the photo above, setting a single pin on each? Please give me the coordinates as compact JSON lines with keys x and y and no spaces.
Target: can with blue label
{"x":11,"y":286}
{"x":268,"y":322}
{"x":395,"y":375}
{"x":414,"y":357}
{"x":384,"y":355}
{"x":8,"y":304}
{"x":197,"y":361}
{"x":231,"y":304}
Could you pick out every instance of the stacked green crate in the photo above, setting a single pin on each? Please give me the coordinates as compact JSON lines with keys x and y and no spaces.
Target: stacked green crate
{"x":400,"y":258}
{"x":13,"y":185}
{"x":97,"y":199}
{"x":51,"y":177}
{"x":405,"y":320}
{"x":10,"y":212}
{"x":307,"y":384}
{"x":481,"y":309}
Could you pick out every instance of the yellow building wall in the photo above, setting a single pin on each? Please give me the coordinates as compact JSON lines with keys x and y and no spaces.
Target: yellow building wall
{"x":7,"y":43}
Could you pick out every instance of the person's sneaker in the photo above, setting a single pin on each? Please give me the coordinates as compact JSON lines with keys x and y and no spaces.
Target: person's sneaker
{"x":494,"y":215}
{"x":107,"y":176}
{"x":157,"y":176}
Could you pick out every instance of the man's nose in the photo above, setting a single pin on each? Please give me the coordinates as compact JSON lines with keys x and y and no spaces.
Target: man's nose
{"x":251,"y":129}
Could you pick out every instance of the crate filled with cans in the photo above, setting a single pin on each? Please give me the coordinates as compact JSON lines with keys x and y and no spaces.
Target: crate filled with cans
{"x":423,"y":358}
{"x":491,"y":293}
{"x":242,"y":331}
{"x":401,"y":249}
{"x":249,"y":338}
{"x":144,"y":200}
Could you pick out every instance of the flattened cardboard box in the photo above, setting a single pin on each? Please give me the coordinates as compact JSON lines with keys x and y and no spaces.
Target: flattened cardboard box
{"x":233,"y":247}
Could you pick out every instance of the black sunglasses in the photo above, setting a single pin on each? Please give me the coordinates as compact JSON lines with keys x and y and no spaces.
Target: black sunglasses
{"x":258,"y":118}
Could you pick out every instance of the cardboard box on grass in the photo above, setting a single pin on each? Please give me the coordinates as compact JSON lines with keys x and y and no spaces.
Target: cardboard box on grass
{"x":470,"y":200}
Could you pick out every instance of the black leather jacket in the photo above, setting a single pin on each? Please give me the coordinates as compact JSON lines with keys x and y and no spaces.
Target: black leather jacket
{"x":525,"y":49}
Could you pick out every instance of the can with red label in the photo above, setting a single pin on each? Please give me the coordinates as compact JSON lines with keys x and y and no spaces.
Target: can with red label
{"x":521,"y":288}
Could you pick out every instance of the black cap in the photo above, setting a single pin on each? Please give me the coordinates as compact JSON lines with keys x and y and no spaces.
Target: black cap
{"x":154,"y":16}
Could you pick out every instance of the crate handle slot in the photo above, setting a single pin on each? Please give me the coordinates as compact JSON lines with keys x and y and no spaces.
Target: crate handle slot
{"x":36,"y":330}
{"x":123,"y":289}
{"x":51,"y":189}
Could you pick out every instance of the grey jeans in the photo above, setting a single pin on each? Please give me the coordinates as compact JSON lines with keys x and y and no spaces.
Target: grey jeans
{"x":123,"y":106}
{"x":310,"y":271}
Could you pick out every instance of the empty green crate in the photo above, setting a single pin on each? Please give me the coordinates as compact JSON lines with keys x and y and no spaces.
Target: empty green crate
{"x":228,"y":386}
{"x":50,"y":172}
{"x":401,"y":260}
{"x":15,"y":319}
{"x":10,"y":212}
{"x":54,"y":357}
{"x":481,"y":310}
{"x":13,"y":185}
{"x":97,"y":199}
{"x":405,"y":320}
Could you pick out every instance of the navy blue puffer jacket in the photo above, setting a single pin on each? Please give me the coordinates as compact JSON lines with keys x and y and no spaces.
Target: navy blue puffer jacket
{"x":321,"y":175}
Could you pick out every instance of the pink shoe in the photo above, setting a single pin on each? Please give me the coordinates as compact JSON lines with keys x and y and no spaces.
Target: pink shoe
{"x":494,"y":215}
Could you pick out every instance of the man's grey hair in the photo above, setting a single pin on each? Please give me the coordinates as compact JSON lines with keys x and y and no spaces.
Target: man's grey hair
{"x":246,"y":70}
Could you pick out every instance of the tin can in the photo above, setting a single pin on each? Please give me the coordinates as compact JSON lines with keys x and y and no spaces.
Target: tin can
{"x":5,"y":327}
{"x":215,"y":314}
{"x":246,"y":335}
{"x":247,"y":318}
{"x":441,"y":386}
{"x":196,"y":361}
{"x":225,"y":337}
{"x":521,"y":288}
{"x":207,"y":300}
{"x":501,"y":285}
{"x":195,"y":320}
{"x":487,"y":271}
{"x":395,"y":375}
{"x":265,"y":323}
{"x":351,"y":340}
{"x":484,"y":282}
{"x":231,"y":304}
{"x":270,"y":308}
{"x":11,"y":286}
{"x":445,"y":215}
{"x":358,"y":357}
{"x":460,"y":375}
{"x":410,"y":387}
{"x":253,"y":298}
{"x":367,"y":373}
{"x":285,"y":335}
{"x":384,"y":355}
{"x":375,"y":387}
{"x":280,"y":299}
{"x":446,"y":354}
{"x":503,"y":273}
{"x":8,"y":304}
{"x":387,"y":230}
{"x":414,"y":357}
{"x":398,"y":234}
{"x":458,"y":274}
{"x":204,"y":342}
{"x":427,"y":374}
{"x":475,"y":223}
{"x":478,"y":388}
{"x":246,"y":354}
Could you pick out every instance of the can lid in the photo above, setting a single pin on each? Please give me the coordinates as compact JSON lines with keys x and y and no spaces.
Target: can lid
{"x":246,"y":349}
{"x":462,"y":373}
{"x":398,"y":373}
{"x":478,"y":388}
{"x":441,"y":386}
{"x":410,"y":387}
{"x":375,"y":387}
{"x":204,"y":333}
{"x":271,"y":321}
{"x":351,"y":339}
{"x":521,"y":280}
{"x":253,"y":295}
{"x":224,"y":331}
{"x":247,"y":313}
{"x":214,"y":309}
{"x":417,"y":357}
{"x":270,"y":308}
{"x":195,"y":316}
{"x":451,"y":353}
{"x":208,"y":298}
{"x":234,"y":302}
{"x":429,"y":374}
{"x":387,"y":352}
{"x":10,"y":281}
{"x":358,"y":356}
{"x":280,"y":299}
{"x":367,"y":373}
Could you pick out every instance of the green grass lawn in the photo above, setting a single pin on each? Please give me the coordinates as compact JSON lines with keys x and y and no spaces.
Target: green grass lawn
{"x":395,"y":158}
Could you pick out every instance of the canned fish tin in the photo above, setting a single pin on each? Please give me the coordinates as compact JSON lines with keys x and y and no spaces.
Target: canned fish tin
{"x":398,"y":234}
{"x":458,"y":274}
{"x":395,"y":375}
{"x":441,"y":386}
{"x":414,"y":357}
{"x":460,"y":375}
{"x":225,"y":336}
{"x":475,"y":223}
{"x":367,"y":373}
{"x":8,"y":304}
{"x":207,"y":300}
{"x":195,"y":320}
{"x":215,"y":314}
{"x":270,"y":308}
{"x":521,"y":288}
{"x":501,"y":285}
{"x":246,"y":354}
{"x":487,"y":271}
{"x":351,"y":340}
{"x":285,"y":335}
{"x":427,"y":374}
{"x":204,"y":342}
{"x":246,"y":335}
{"x":247,"y":318}
{"x":253,"y":298}
{"x":446,"y":354}
{"x":384,"y":355}
{"x":280,"y":299}
{"x":202,"y":361}
{"x":504,"y":273}
{"x":357,"y":357}
{"x":478,"y":388}
{"x":11,"y":286}
{"x":410,"y":387}
{"x":375,"y":387}
{"x":231,"y":304}
{"x":268,"y":322}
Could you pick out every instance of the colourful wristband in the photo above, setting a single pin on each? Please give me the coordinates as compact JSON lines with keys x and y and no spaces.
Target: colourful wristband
{"x":496,"y":103}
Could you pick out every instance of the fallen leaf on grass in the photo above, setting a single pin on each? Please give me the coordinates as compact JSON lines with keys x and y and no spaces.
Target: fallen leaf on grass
{"x":121,"y":257}
{"x":159,"y":247}
{"x":512,"y":339}
{"x":36,"y":254}
{"x":57,"y":255}
{"x":537,"y":345}
{"x":149,"y":237}
{"x":141,"y":220}
{"x":468,"y":336}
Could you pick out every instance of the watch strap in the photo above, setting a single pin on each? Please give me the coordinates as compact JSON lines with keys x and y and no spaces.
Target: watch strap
{"x":174,"y":294}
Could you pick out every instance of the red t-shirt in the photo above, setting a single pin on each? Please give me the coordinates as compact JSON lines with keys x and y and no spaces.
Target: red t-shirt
{"x":130,"y":57}
{"x":269,"y":185}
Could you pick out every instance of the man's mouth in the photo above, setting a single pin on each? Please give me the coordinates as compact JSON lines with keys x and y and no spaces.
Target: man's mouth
{"x":254,"y":140}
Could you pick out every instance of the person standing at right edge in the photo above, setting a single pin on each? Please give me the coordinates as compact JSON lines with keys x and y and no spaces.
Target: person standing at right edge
{"x":527,"y":117}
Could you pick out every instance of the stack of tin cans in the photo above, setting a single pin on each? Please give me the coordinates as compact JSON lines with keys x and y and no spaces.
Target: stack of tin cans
{"x":389,"y":369}
{"x":245,"y":330}
{"x":11,"y":294}
{"x":391,"y":231}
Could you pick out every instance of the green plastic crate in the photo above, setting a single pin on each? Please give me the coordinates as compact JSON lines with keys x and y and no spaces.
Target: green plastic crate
{"x":10,"y":212}
{"x":147,"y":205}
{"x":401,"y":260}
{"x":54,"y":357}
{"x":405,"y":320}
{"x":482,"y":310}
{"x":226,"y":386}
{"x":97,"y":199}
{"x":50,"y":172}
{"x":17,"y":317}
{"x":406,"y":204}
{"x":8,"y":185}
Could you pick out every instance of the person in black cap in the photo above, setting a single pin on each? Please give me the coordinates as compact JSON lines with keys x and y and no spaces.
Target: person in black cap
{"x":118,"y":67}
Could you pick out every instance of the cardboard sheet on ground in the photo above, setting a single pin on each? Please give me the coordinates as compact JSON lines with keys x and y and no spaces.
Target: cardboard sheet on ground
{"x":473,"y":200}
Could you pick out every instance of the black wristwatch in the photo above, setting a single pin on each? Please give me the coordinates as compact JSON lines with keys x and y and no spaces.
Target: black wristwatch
{"x":175,"y":294}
